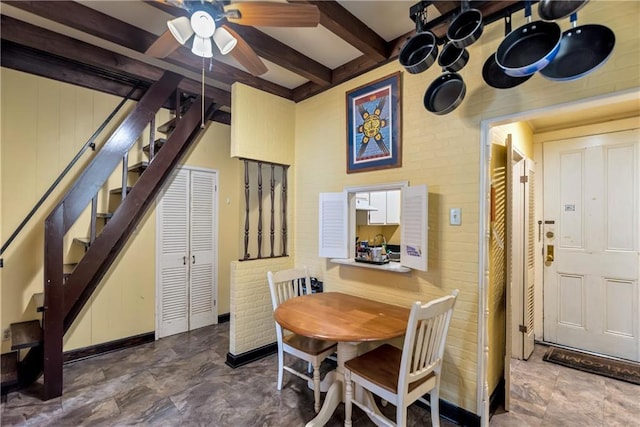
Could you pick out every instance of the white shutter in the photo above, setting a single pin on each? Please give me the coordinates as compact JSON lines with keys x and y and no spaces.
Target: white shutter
{"x":413,"y":227}
{"x":173,"y":228}
{"x":529,"y":270}
{"x":202,"y":310}
{"x":333,"y":220}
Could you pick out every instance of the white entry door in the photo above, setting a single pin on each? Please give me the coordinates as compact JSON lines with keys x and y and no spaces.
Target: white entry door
{"x":591,"y":241}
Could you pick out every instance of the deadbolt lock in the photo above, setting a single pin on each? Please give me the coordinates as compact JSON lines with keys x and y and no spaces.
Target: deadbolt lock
{"x":550,"y":234}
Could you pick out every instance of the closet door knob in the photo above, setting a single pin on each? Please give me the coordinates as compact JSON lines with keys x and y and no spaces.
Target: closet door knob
{"x":194,"y":259}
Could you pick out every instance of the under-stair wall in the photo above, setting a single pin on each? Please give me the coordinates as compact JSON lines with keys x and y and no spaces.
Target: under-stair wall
{"x":63,"y":303}
{"x":123,"y":304}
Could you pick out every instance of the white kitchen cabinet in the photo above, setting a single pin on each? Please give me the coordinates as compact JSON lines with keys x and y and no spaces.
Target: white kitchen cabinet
{"x":387,"y":204}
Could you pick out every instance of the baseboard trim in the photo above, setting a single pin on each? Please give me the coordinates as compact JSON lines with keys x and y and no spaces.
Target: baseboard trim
{"x":107,"y":347}
{"x":224,"y":318}
{"x":237,"y":360}
{"x":453,"y":413}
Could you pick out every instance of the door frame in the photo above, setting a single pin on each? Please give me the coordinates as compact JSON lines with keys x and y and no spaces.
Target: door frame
{"x":216,"y":235}
{"x":482,"y":389}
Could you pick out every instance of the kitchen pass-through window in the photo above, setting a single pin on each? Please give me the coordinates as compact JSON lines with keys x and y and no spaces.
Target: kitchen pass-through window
{"x":386,"y":206}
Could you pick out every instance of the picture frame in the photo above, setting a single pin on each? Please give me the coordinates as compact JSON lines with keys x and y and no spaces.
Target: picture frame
{"x":374,"y":125}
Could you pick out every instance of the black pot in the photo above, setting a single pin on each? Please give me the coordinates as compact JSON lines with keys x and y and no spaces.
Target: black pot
{"x":419,"y":52}
{"x":453,"y":58}
{"x":445,"y":93}
{"x":465,"y":28}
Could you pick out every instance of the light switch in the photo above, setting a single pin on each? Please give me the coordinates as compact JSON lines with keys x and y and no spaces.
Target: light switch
{"x":455,"y":216}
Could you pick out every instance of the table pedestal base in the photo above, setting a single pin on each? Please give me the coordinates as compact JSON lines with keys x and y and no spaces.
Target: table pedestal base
{"x":337,"y":392}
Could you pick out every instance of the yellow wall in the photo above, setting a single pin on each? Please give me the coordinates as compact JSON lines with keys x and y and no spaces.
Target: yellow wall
{"x":44,"y":123}
{"x":443,"y":152}
{"x":261,"y":125}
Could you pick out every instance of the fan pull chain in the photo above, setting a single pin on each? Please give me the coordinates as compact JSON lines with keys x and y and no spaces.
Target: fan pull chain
{"x":202,"y":121}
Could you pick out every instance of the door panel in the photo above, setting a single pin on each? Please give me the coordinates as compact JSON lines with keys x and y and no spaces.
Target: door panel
{"x":173,"y":220}
{"x":592,"y":229}
{"x":201,"y":234}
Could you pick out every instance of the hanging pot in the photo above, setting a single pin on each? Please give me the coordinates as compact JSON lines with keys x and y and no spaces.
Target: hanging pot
{"x":583,"y":49}
{"x":419,"y":52}
{"x":529,"y":48}
{"x":445,"y":93}
{"x":465,"y":28}
{"x":453,"y":58}
{"x":553,"y":10}
{"x":495,"y":76}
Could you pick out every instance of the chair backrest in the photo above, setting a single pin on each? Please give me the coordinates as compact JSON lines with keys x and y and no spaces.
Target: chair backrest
{"x":286,"y":284}
{"x":425,"y":339}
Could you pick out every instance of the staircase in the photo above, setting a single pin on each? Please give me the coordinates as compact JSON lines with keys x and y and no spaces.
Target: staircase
{"x":68,"y":286}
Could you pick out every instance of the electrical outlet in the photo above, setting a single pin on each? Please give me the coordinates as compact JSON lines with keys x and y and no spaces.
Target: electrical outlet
{"x":6,"y":334}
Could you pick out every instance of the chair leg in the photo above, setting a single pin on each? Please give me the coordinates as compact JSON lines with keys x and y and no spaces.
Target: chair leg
{"x":348,"y":405}
{"x":434,"y":397}
{"x":280,"y":367}
{"x":316,"y":386}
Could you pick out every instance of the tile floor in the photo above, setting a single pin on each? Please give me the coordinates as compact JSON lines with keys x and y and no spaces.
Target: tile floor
{"x":182,"y":381}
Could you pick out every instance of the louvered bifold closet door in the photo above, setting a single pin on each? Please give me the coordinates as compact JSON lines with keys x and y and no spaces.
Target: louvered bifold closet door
{"x":202,"y":304}
{"x":529,"y":249}
{"x":173,"y":265}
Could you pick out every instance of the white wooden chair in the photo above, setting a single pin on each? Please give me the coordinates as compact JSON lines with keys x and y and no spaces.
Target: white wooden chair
{"x":283,"y":285}
{"x":402,"y":377}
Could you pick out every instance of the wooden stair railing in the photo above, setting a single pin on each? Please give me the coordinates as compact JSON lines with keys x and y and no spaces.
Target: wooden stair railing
{"x":63,"y":303}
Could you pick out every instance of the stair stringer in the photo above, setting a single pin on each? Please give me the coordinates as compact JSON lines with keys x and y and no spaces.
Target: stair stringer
{"x":108,"y":244}
{"x":70,"y":208}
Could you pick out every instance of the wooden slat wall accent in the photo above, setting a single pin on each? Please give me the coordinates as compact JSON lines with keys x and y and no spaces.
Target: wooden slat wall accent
{"x":272,"y":230}
{"x":258,"y":232}
{"x":246,"y":209}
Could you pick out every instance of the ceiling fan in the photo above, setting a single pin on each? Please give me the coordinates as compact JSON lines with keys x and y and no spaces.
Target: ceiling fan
{"x":203,"y":23}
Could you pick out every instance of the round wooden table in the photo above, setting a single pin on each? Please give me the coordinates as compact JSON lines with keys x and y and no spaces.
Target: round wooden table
{"x":347,"y":319}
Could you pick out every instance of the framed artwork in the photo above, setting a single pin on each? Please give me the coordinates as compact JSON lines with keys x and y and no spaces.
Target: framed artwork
{"x":373,"y":125}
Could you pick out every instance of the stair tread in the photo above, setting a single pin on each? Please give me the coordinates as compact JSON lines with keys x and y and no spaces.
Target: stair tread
{"x":39,"y":300}
{"x":158,"y":145}
{"x":119,"y":190}
{"x":167,"y":127}
{"x":82,"y":240}
{"x":139,"y":167}
{"x":9,"y":369}
{"x":26,"y":334}
{"x":68,"y":268}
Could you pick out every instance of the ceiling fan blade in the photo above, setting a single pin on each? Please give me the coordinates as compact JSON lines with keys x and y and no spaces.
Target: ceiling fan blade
{"x":163,"y":46}
{"x":270,"y":14}
{"x":245,"y":55}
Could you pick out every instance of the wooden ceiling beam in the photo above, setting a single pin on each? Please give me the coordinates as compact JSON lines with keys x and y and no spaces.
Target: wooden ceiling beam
{"x":87,"y":20}
{"x":38,"y":38}
{"x":269,"y":48}
{"x":279,"y":53}
{"x":345,"y":25}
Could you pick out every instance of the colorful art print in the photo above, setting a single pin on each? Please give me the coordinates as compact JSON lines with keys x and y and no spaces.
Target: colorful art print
{"x":373,"y":125}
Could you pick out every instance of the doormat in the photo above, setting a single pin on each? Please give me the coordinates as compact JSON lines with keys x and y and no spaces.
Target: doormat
{"x":612,"y":368}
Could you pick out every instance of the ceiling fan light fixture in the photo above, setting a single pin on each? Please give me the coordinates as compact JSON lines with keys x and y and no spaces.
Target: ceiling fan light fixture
{"x":202,"y":47}
{"x":224,"y":40}
{"x":203,"y":23}
{"x":180,"y":29}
